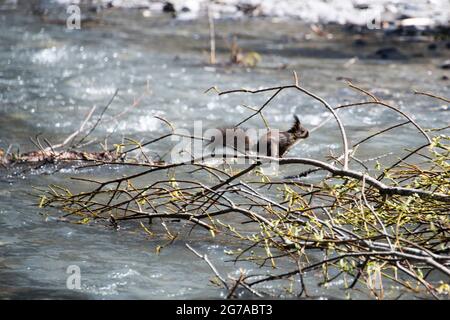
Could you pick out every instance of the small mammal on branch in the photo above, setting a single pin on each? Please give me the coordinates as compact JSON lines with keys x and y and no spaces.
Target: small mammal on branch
{"x":272,"y":143}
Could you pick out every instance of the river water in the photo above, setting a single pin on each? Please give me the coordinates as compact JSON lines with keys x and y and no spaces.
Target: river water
{"x":50,"y":78}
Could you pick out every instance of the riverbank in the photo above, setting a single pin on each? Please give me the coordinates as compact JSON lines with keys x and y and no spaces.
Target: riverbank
{"x":373,"y":14}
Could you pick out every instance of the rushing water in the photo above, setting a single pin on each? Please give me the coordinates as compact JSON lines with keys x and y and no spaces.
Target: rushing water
{"x":51,"y":77}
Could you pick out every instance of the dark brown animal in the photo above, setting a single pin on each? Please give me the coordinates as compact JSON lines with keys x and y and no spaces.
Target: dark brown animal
{"x":272,"y":143}
{"x":278,"y":143}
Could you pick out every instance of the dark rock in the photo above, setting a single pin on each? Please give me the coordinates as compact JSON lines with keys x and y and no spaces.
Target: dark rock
{"x":447,"y":45}
{"x":249,"y":9}
{"x":404,"y":16}
{"x":353,"y":28}
{"x":389,"y":53}
{"x":446,"y":65}
{"x":169,"y":7}
{"x":432,"y":46}
{"x":360,"y":43}
{"x":361,"y":6}
{"x":444,"y":78}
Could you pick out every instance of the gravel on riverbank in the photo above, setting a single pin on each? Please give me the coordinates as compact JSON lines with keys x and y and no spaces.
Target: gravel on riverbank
{"x":403,"y":13}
